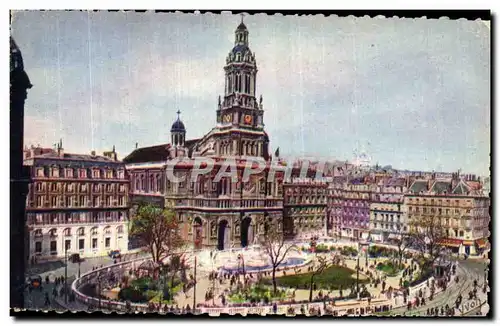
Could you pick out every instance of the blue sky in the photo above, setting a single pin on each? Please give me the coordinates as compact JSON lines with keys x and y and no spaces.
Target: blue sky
{"x":415,"y":93}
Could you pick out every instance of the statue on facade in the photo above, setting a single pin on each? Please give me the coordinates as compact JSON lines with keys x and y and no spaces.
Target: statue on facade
{"x":220,"y":105}
{"x":237,"y":99}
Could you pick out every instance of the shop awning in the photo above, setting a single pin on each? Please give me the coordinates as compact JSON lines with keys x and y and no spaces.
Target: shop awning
{"x":481,"y":243}
{"x":450,"y":242}
{"x":468,"y":243}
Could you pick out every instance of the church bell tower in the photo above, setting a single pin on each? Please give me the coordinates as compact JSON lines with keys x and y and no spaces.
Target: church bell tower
{"x":239,"y":110}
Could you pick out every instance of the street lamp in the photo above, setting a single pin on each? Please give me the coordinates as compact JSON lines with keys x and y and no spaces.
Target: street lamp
{"x":65,"y":273}
{"x":194,"y":292}
{"x":99,"y":279}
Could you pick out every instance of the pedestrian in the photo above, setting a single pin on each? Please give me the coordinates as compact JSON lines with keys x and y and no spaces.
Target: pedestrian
{"x":47,"y":300}
{"x":54,"y":292}
{"x":47,"y":280}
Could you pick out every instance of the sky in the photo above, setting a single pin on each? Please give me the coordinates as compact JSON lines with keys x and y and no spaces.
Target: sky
{"x":412,"y":93}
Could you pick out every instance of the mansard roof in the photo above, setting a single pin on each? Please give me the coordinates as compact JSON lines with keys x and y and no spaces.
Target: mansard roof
{"x":418,"y":186}
{"x":461,"y":189}
{"x":441,"y":187}
{"x":75,"y":157}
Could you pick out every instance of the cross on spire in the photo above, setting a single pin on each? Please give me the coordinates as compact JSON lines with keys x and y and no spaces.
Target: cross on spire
{"x":178,"y":114}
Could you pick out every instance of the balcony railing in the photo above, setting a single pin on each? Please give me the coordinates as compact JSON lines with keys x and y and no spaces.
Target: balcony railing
{"x":230,"y":203}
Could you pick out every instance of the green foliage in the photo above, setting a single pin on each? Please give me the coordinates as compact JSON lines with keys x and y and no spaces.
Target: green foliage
{"x":389,"y":268}
{"x":379,"y":251}
{"x":256,"y":294}
{"x":348,"y":251}
{"x":158,"y":229}
{"x":143,"y":284}
{"x":131,"y":294}
{"x":333,"y":277}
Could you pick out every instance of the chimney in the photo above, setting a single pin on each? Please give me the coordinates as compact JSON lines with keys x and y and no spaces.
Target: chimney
{"x":60,"y":149}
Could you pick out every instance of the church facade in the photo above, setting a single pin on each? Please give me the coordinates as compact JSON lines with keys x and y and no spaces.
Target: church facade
{"x":227,"y":211}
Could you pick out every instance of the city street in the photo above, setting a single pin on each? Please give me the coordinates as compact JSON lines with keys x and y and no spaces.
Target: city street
{"x":36,"y":299}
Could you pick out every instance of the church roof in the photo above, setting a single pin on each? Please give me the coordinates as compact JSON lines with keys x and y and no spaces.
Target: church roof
{"x":178,"y":125}
{"x":241,"y":27}
{"x":158,"y":153}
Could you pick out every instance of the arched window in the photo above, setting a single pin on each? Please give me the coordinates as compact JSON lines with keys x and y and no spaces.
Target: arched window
{"x":94,"y":231}
{"x":67,"y":232}
{"x":38,"y":233}
{"x":143,"y":183}
{"x":151,"y":183}
{"x":119,"y":229}
{"x":107,"y":230}
{"x":81,"y":231}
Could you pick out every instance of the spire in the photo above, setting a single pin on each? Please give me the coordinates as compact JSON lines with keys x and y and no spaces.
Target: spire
{"x":241,"y":33}
{"x":242,"y":15}
{"x":178,"y":114}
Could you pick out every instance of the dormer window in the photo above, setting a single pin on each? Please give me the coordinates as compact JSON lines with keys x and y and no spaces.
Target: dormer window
{"x":40,"y":172}
{"x":109,"y":174}
{"x":96,"y":173}
{"x":69,"y":173}
{"x":55,"y":172}
{"x":121,"y":174}
{"x":83,"y":173}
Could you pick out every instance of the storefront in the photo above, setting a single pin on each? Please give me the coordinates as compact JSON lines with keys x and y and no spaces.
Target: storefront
{"x":455,"y":245}
{"x":481,"y":246}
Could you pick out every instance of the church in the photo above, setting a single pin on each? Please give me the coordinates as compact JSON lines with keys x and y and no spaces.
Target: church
{"x":221,"y":213}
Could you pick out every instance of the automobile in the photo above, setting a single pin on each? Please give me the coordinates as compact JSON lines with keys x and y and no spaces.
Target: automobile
{"x":114,"y":254}
{"x":35,"y":281}
{"x":75,"y":258}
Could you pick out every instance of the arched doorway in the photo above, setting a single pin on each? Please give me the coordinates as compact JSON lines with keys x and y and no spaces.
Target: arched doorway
{"x":246,"y":232}
{"x":223,"y":235}
{"x":197,"y":232}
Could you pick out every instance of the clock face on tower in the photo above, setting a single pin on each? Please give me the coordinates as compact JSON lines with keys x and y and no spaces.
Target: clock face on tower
{"x":227,"y":118}
{"x":247,"y":119}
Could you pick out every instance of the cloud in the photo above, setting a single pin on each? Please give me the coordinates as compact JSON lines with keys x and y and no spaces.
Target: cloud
{"x":418,"y":90}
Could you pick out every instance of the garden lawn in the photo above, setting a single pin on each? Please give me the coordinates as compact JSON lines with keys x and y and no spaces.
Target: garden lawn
{"x":332,"y":278}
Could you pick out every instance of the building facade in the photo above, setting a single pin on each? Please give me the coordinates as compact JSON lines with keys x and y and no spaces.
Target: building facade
{"x":356,"y":209}
{"x":305,"y":208}
{"x":463,"y":212}
{"x":387,"y":210}
{"x":76,"y":203}
{"x":335,"y":206}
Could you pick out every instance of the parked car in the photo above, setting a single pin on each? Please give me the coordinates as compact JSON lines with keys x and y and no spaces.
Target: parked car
{"x":114,"y":254}
{"x":75,"y":258}
{"x":35,"y":281}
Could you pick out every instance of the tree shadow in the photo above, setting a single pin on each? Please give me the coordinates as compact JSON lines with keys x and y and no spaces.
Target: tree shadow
{"x":45,"y":267}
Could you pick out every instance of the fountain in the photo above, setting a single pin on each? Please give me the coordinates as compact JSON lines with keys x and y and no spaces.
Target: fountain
{"x":255,"y":261}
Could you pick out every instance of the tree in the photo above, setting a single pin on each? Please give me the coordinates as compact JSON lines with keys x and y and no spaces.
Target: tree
{"x":322,"y":264}
{"x":402,"y":241}
{"x":158,"y":230}
{"x":427,"y":233}
{"x":273,"y":244}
